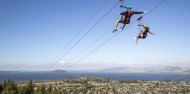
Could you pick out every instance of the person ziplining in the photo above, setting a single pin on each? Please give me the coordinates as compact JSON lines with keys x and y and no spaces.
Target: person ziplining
{"x":144,"y":33}
{"x":126,"y":16}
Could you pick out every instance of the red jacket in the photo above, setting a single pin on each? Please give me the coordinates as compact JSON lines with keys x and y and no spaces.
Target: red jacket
{"x":128,"y":15}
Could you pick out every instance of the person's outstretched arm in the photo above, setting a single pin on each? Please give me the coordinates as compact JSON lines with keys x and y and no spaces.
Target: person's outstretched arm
{"x":135,"y":12}
{"x":140,"y":25}
{"x":151,"y":33}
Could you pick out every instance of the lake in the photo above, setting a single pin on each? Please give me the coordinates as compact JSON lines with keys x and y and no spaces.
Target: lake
{"x":41,"y":76}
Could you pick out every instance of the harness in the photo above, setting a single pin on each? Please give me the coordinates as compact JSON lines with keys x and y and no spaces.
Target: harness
{"x":128,"y":17}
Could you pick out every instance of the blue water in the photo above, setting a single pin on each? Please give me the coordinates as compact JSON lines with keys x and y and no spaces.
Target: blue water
{"x":41,"y":76}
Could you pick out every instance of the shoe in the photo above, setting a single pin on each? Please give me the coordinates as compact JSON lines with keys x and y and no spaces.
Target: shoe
{"x":122,"y":28}
{"x":136,"y":37}
{"x":115,"y":30}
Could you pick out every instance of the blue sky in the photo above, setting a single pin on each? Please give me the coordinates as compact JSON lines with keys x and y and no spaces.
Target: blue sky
{"x":33,"y":32}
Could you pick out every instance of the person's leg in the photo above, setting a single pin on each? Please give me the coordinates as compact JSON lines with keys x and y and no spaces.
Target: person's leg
{"x":127,"y":21}
{"x":137,"y":38}
{"x":123,"y":26}
{"x":116,"y":25}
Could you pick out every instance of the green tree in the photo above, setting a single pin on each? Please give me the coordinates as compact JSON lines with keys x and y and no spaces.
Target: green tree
{"x":49,"y":90}
{"x":1,"y":88}
{"x":65,"y":92}
{"x":43,"y":89}
{"x":29,"y":88}
{"x":4,"y":84}
{"x":10,"y":87}
{"x":55,"y":91}
{"x":37,"y":91}
{"x":21,"y":89}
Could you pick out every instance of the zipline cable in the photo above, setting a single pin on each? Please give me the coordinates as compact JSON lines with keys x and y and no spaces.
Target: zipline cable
{"x":101,"y":37}
{"x":119,"y":33}
{"x":78,"y":32}
{"x":89,"y":45}
{"x":98,"y":47}
{"x":85,"y":34}
{"x":142,"y":4}
{"x":114,"y":36}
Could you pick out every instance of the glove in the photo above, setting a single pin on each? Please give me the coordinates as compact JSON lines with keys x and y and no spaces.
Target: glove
{"x":145,"y":11}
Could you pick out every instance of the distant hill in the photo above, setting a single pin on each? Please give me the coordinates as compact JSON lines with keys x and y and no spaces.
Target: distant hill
{"x":167,"y":69}
{"x":8,"y":71}
{"x":58,"y":71}
{"x":54,"y":71}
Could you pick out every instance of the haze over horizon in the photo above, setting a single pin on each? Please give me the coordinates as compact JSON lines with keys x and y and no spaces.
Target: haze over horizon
{"x":33,"y":32}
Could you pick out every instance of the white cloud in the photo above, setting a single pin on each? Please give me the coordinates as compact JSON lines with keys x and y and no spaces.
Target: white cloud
{"x":96,"y":65}
{"x":61,"y":62}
